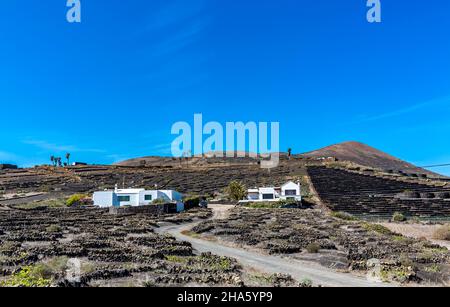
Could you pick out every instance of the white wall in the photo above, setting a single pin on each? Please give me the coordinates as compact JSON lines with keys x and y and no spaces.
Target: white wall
{"x":134,"y":199}
{"x":107,"y":199}
{"x":170,"y":195}
{"x":290,"y":186}
{"x":142,"y":194}
{"x":104,"y":199}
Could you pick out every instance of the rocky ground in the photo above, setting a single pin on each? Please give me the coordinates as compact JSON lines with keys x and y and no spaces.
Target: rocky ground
{"x":40,"y":237}
{"x":41,"y":246}
{"x":206,"y":179}
{"x":334,"y":241}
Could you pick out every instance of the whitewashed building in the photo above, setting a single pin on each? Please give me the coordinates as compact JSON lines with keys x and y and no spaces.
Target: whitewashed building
{"x":288,"y":191}
{"x":136,"y":198}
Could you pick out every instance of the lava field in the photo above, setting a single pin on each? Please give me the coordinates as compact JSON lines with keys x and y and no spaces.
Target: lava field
{"x":375,"y":197}
{"x":112,"y":249}
{"x":339,"y":243}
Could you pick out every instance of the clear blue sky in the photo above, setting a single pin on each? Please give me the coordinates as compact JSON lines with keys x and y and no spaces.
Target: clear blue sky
{"x":111,"y":87}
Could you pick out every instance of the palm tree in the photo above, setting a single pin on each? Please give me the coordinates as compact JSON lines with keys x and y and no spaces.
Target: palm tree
{"x":68,"y":158}
{"x":186,"y":156}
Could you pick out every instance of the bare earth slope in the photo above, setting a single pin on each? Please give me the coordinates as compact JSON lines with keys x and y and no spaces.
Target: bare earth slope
{"x":368,"y":156}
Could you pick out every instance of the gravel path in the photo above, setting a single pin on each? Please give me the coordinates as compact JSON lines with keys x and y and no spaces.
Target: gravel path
{"x":299,"y":270}
{"x":24,"y":199}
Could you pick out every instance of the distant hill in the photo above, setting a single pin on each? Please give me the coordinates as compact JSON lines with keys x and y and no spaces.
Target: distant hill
{"x":196,"y":160}
{"x":368,"y":156}
{"x":349,"y":151}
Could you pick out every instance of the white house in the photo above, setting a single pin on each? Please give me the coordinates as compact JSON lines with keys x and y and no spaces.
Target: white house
{"x":135,"y":198}
{"x":287,"y":191}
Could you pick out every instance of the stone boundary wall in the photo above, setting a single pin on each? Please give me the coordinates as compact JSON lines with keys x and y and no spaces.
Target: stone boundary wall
{"x":150,"y":209}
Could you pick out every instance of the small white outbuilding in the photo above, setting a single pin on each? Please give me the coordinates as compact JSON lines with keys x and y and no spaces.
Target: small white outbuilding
{"x":288,"y":191}
{"x":135,"y":198}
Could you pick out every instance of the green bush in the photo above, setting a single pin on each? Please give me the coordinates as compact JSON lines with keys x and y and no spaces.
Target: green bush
{"x":264,"y":205}
{"x":313,"y":248}
{"x":398,"y":217}
{"x":306,"y":283}
{"x":236,"y":191}
{"x":76,"y":199}
{"x":53,"y":228}
{"x":378,"y":229}
{"x":283,"y":202}
{"x":344,"y":216}
{"x":177,"y":259}
{"x":159,"y":201}
{"x":191,"y":202}
{"x":29,"y":276}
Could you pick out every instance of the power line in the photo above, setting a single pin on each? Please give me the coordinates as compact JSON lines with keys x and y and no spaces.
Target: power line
{"x":439,"y":165}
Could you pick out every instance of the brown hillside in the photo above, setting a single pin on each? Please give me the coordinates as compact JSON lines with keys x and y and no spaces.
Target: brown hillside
{"x":368,"y":156}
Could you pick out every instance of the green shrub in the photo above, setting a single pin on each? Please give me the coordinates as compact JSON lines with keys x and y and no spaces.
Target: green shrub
{"x":149,"y":284}
{"x":306,"y":283}
{"x":313,"y":248}
{"x":415,"y":219}
{"x":45,"y":188}
{"x":29,"y":276}
{"x":76,"y":199}
{"x":433,"y":268}
{"x":53,"y":228}
{"x":57,"y":265}
{"x":177,"y":259}
{"x":236,"y":191}
{"x":264,"y":205}
{"x":442,"y":233}
{"x":191,"y":201}
{"x":344,"y":216}
{"x":159,"y":201}
{"x":283,"y":202}
{"x":398,"y":217}
{"x":400,"y":238}
{"x":378,"y":229}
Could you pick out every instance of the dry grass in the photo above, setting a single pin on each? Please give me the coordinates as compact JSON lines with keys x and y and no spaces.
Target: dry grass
{"x":418,"y":231}
{"x":442,"y":233}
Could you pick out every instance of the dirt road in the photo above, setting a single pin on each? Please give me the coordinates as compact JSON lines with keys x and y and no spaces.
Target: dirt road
{"x":24,"y":199}
{"x":300,"y":270}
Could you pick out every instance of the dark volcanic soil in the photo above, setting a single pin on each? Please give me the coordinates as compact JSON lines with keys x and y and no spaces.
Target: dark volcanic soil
{"x":113,"y":249}
{"x":334,"y":242}
{"x":371,"y":196}
{"x":195,"y":179}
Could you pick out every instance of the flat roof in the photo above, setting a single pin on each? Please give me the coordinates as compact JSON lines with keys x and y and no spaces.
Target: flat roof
{"x":129,"y":191}
{"x":267,"y":190}
{"x":136,"y":191}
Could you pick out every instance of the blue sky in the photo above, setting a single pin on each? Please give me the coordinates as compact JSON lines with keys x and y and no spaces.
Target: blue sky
{"x":111,"y":87}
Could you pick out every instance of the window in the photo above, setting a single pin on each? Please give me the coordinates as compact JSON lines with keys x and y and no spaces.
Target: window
{"x":290,"y":192}
{"x":253,"y":196}
{"x":148,"y":198}
{"x":124,"y":198}
{"x":268,"y":196}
